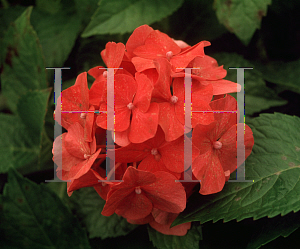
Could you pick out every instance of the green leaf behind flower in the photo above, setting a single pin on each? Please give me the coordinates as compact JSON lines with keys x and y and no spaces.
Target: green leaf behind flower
{"x":242,"y":17}
{"x":284,"y":74}
{"x":121,"y":16}
{"x":23,"y":141}
{"x":34,"y":217}
{"x":24,"y":67}
{"x":57,"y":32}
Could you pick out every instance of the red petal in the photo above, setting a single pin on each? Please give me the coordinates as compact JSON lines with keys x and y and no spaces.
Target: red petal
{"x":179,"y":230}
{"x":98,"y":92}
{"x":122,"y":118}
{"x":124,"y":89}
{"x":143,"y":221}
{"x":150,"y":51}
{"x":113,"y":54}
{"x":152,"y":75}
{"x":173,"y":154}
{"x":89,"y":125}
{"x":67,"y":103}
{"x":128,"y":66}
{"x":121,"y":138}
{"x":137,"y":152}
{"x":181,"y":44}
{"x":132,"y":153}
{"x":136,"y":177}
{"x":162,"y":85}
{"x":82,"y":168}
{"x":101,"y":119}
{"x":168,"y":121}
{"x":144,"y":125}
{"x":138,"y":38}
{"x":161,"y":217}
{"x":201,"y":96}
{"x":115,"y":198}
{"x":151,"y":165}
{"x":81,"y":81}
{"x":74,"y":142}
{"x":228,"y":116}
{"x":164,"y":41}
{"x":143,"y":94}
{"x":87,"y":180}
{"x":165,"y":193}
{"x":136,"y":206}
{"x":207,"y":68}
{"x":211,"y":174}
{"x":203,"y":135}
{"x":142,"y":64}
{"x":63,"y":159}
{"x":227,"y":154}
{"x":131,"y":179}
{"x":223,"y":86}
{"x":97,"y":71}
{"x":181,"y":61}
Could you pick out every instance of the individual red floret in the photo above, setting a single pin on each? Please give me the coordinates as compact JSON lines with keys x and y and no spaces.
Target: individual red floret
{"x":72,"y":154}
{"x":132,"y":97}
{"x":141,"y":191}
{"x":217,"y":143}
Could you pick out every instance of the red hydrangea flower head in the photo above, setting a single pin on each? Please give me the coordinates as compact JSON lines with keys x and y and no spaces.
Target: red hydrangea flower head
{"x":150,"y":130}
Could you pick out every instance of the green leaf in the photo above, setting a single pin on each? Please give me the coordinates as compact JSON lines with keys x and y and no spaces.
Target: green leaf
{"x":17,"y":147}
{"x":191,"y":25}
{"x":274,"y":165}
{"x":242,"y":17}
{"x":9,"y":15}
{"x":119,"y":17}
{"x":274,"y":228}
{"x":32,"y":108}
{"x":258,"y":96}
{"x":86,"y":9}
{"x":24,"y":67}
{"x":34,"y":217}
{"x":248,"y":234}
{"x":290,"y":242}
{"x":57,"y":34}
{"x":50,"y":6}
{"x":285,"y":74}
{"x":23,"y":141}
{"x":88,"y":205}
{"x":189,"y":241}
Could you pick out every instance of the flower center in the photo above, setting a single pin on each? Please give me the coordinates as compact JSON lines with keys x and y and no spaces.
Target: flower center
{"x":138,"y":190}
{"x":173,"y":99}
{"x":86,"y":156}
{"x":154,"y":152}
{"x":130,"y":106}
{"x":217,"y":145}
{"x":169,"y":55}
{"x":83,"y":115}
{"x":227,"y":173}
{"x":105,"y":74}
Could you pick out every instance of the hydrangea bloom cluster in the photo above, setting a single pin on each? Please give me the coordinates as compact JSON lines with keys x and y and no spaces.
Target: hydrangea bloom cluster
{"x":149,"y":90}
